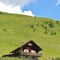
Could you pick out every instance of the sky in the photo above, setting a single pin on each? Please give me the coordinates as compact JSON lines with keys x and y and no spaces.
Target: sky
{"x":39,"y":8}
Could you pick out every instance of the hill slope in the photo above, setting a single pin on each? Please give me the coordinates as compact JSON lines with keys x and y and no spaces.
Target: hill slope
{"x":15,"y":30}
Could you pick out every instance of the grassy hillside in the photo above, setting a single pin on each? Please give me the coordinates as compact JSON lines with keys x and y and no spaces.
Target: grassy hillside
{"x":15,"y":30}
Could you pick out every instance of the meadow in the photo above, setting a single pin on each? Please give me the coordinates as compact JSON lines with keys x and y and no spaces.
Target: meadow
{"x":17,"y":29}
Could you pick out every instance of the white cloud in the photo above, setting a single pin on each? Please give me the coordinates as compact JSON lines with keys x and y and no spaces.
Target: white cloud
{"x":58,"y":2}
{"x":14,"y":6}
{"x":16,"y":2}
{"x":29,"y":12}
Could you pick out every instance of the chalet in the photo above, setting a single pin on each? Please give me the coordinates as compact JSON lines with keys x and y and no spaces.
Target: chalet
{"x":28,"y":51}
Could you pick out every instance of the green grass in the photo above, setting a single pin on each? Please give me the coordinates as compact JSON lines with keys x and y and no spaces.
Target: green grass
{"x":15,"y":30}
{"x":12,"y":58}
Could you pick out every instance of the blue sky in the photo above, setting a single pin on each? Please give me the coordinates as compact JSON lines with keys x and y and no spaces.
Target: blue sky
{"x":44,"y":8}
{"x":39,"y":8}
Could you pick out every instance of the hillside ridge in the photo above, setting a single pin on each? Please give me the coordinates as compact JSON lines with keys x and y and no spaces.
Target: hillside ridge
{"x":17,"y":29}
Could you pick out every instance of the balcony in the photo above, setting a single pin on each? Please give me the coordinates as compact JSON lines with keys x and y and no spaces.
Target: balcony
{"x":31,"y":54}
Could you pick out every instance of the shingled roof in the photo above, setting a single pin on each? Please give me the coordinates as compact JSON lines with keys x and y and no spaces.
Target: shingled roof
{"x":34,"y":46}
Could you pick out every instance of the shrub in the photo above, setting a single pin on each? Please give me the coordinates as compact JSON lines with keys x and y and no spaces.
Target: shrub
{"x":46,"y":22}
{"x":58,"y":22}
{"x":4,"y":30}
{"x":57,"y":58}
{"x":51,"y":24}
{"x":32,"y":26}
{"x":42,"y":25}
{"x":37,"y":24}
{"x":46,"y":32}
{"x":34,"y":30}
{"x":53,"y":33}
{"x":45,"y":28}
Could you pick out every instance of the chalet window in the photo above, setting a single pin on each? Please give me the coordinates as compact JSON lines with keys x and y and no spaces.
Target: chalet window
{"x":33,"y":51}
{"x":29,"y":44}
{"x":26,"y":50}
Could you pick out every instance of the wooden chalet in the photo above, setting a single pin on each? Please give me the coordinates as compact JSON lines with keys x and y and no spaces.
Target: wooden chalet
{"x":29,"y":50}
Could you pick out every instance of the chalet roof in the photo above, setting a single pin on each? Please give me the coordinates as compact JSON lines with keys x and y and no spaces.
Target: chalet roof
{"x":31,"y":44}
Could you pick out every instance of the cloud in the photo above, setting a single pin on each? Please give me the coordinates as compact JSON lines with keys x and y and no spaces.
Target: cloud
{"x":29,"y":12}
{"x":14,"y":6}
{"x":58,"y":2}
{"x":16,"y":2}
